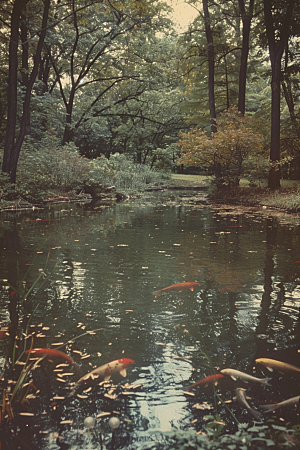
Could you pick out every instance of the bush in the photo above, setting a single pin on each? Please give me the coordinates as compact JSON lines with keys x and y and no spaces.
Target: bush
{"x":49,"y":169}
{"x":248,"y":437}
{"x":222,"y":153}
{"x":52,"y":170}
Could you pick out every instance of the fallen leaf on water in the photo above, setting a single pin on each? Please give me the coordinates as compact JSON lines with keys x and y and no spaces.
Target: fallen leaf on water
{"x":159,"y":343}
{"x":88,"y":390}
{"x":29,"y":414}
{"x":85,"y":356}
{"x":61,"y":380}
{"x":194,"y":421}
{"x":82,"y":396}
{"x":65,"y":422}
{"x":122,"y":245}
{"x":57,"y":343}
{"x":58,"y":398}
{"x":189,"y":393}
{"x":181,"y":357}
{"x":103,"y":414}
{"x":67,"y":374}
{"x":112,"y":396}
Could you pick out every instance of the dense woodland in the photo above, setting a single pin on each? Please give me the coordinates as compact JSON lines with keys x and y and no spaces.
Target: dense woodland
{"x":91,"y":88}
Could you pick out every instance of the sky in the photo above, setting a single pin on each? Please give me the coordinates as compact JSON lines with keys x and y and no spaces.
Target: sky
{"x":183,"y":13}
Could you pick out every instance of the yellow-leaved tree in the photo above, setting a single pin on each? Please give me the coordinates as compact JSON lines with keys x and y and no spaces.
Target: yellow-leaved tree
{"x":222,"y":153}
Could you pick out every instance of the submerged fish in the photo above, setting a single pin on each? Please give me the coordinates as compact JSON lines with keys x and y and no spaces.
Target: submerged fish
{"x":282,"y":367}
{"x":177,"y":287}
{"x":49,"y":354}
{"x":235,"y":374}
{"x":212,"y":379}
{"x":242,"y":400}
{"x":293,"y":401}
{"x":104,"y":372}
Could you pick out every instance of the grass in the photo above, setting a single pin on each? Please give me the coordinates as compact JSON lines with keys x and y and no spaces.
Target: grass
{"x":286,"y":199}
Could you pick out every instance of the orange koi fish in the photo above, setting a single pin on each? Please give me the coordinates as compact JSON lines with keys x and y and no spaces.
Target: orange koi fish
{"x":212,"y":379}
{"x":49,"y":354}
{"x":177,"y":287}
{"x":282,"y":367}
{"x":104,"y":372}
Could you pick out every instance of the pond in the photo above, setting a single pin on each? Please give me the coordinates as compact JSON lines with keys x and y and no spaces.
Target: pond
{"x":92,"y":273}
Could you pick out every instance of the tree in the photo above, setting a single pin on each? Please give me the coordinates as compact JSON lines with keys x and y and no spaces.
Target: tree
{"x":246,"y":19}
{"x":277,"y":22}
{"x":13,"y":144}
{"x":211,"y":67}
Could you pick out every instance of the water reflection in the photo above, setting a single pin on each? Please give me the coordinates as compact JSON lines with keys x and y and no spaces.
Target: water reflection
{"x":103,"y":266}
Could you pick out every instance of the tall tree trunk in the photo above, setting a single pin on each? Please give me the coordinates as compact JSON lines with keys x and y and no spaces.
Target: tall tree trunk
{"x":12,"y":149}
{"x":288,"y":95}
{"x":246,"y":18}
{"x":12,"y":84}
{"x":211,"y":67}
{"x":276,"y":47}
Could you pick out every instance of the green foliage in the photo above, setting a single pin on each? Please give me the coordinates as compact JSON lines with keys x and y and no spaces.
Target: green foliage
{"x":256,"y":437}
{"x":224,"y":152}
{"x":123,"y":173}
{"x":50,"y":169}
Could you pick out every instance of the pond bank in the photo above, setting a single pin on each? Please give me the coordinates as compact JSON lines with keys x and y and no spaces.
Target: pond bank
{"x":285,"y":201}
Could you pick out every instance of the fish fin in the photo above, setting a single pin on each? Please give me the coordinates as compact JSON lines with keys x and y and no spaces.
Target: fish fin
{"x":268,"y":408}
{"x":123,"y":372}
{"x":191,"y":289}
{"x":266,"y":381}
{"x":234,"y":398}
{"x":107,"y":377}
{"x":157,"y":293}
{"x":233,"y":378}
{"x":270,"y":369}
{"x":248,"y":398}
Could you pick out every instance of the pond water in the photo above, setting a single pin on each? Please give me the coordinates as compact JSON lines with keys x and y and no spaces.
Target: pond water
{"x":95,"y":267}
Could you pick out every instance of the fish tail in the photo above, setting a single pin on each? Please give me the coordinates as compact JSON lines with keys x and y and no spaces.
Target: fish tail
{"x":268,"y":408}
{"x":157,"y":293}
{"x":266,"y":381}
{"x":256,"y":414}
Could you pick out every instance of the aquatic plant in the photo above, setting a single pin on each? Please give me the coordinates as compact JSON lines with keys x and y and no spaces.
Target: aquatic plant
{"x":248,"y":437}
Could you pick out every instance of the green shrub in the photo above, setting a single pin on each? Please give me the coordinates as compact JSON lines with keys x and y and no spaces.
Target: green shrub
{"x":52,"y":170}
{"x":248,"y":437}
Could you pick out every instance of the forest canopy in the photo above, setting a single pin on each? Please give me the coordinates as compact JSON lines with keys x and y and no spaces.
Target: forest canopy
{"x":93,"y":79}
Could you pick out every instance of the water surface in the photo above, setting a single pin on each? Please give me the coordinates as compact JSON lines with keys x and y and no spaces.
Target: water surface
{"x":102,"y":266}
